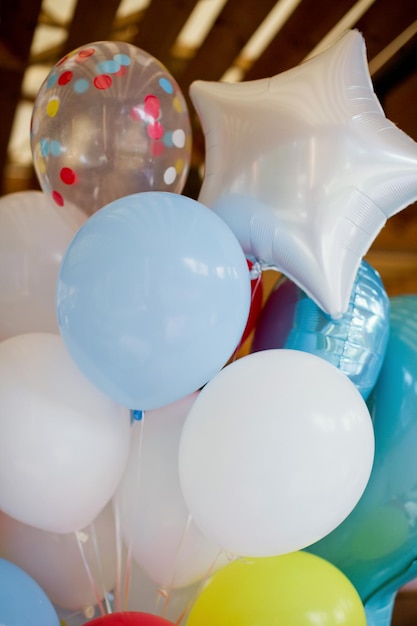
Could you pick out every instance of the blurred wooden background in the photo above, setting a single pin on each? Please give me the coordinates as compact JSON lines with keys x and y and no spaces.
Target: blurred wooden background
{"x":214,"y":40}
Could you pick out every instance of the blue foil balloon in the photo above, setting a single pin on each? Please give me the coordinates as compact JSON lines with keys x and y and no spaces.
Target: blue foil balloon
{"x":22,"y":601}
{"x":153,"y":296}
{"x":355,"y":343}
{"x":376,"y":546}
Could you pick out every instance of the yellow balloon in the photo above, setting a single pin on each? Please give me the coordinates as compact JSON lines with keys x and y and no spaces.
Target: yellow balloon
{"x":297,"y":589}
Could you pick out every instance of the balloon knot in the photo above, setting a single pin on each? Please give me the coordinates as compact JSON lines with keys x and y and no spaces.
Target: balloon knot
{"x":256,"y":270}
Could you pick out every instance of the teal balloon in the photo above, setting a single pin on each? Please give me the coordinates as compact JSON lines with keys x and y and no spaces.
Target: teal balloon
{"x":22,"y":601}
{"x":376,"y":546}
{"x":153,"y":296}
{"x":355,"y":343}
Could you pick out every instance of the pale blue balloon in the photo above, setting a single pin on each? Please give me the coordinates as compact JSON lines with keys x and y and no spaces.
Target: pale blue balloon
{"x":355,"y":343}
{"x":22,"y":601}
{"x":376,"y":546}
{"x":153,"y":297}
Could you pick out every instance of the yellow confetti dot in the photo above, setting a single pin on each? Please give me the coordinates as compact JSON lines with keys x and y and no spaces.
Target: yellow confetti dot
{"x":41,"y":165}
{"x":52,"y":107}
{"x":177,"y":104}
{"x":63,"y":622}
{"x":179,"y":165}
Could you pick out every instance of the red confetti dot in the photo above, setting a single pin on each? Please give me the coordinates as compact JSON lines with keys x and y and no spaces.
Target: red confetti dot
{"x":87,"y":52}
{"x":65,"y":78}
{"x":152,"y":106}
{"x":122,"y":71}
{"x":68,"y":176}
{"x":156,"y":148}
{"x":155,"y":131}
{"x":103,"y":81}
{"x":58,"y":198}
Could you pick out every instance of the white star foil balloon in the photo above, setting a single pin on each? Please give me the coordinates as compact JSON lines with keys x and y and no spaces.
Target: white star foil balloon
{"x":305,"y":168}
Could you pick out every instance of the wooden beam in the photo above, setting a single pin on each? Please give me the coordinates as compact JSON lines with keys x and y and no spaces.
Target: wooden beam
{"x":18,"y":21}
{"x":304,"y":29}
{"x":91,"y":22}
{"x":233,"y":28}
{"x":160,"y":26}
{"x":400,"y":106}
{"x":383,"y":21}
{"x":397,"y":70}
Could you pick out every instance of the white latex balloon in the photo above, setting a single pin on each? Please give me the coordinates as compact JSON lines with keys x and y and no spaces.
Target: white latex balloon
{"x":63,"y":444}
{"x":275,"y":453}
{"x":154,"y":518}
{"x":305,"y":168}
{"x":56,"y":562}
{"x":34,"y":235}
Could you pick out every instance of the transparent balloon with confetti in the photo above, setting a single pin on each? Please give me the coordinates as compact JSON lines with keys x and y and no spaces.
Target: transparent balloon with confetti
{"x":109,"y":121}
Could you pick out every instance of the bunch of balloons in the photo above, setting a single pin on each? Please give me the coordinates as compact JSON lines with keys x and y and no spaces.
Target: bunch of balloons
{"x":151,"y":473}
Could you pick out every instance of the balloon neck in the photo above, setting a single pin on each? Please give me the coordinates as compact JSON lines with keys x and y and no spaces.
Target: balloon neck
{"x":137,"y":415}
{"x":379,"y":607}
{"x":379,"y":610}
{"x":258,"y":267}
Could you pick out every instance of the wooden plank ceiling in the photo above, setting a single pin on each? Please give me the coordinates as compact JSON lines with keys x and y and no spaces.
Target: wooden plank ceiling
{"x":155,"y":28}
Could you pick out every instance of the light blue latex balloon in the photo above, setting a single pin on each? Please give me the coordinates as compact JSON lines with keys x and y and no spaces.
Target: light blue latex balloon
{"x":153,"y":297}
{"x":376,"y":546}
{"x":355,"y":343}
{"x":22,"y":601}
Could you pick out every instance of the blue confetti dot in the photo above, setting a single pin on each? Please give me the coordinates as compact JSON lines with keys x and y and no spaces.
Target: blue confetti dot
{"x":44,"y":146}
{"x":81,"y":85}
{"x":166,"y":85}
{"x":122,"y":59}
{"x":167,"y":139}
{"x":55,"y":147}
{"x":51,"y":80}
{"x":108,"y":67}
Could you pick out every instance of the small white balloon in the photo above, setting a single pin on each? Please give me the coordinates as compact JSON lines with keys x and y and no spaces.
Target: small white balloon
{"x":63,"y":444}
{"x":275,"y":453}
{"x":34,"y":235}
{"x":155,"y":521}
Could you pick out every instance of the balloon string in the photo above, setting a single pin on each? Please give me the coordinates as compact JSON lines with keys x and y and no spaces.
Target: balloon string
{"x":177,"y":557}
{"x":198,"y":590}
{"x":161,"y":593}
{"x":128,"y":572}
{"x":119,"y":557}
{"x":128,"y":578}
{"x":256,"y":287}
{"x":99,"y":564}
{"x":80,"y":538}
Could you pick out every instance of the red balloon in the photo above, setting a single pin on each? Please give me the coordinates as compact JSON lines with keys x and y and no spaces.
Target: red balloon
{"x":129,"y":618}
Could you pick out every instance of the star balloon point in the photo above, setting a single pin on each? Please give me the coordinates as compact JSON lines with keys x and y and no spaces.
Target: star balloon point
{"x":305,"y":168}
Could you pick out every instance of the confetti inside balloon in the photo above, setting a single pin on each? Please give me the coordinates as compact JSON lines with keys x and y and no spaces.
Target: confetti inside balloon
{"x":109,"y":121}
